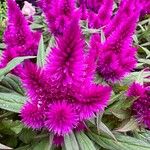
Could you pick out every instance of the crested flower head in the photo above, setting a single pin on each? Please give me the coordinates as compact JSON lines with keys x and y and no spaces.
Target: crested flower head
{"x":19,"y":39}
{"x":97,"y":20}
{"x":66,"y":61}
{"x":141,"y":105}
{"x":61,"y":118}
{"x":91,"y":5}
{"x":117,"y":55}
{"x":126,"y":9}
{"x":17,"y":32}
{"x":61,"y":88}
{"x":136,"y":90}
{"x":33,"y":115}
{"x":91,"y":101}
{"x":58,"y":14}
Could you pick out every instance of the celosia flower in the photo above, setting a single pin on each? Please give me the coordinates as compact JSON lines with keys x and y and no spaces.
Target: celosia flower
{"x":33,"y":115}
{"x":103,"y":16}
{"x":141,"y":105}
{"x":145,"y":7}
{"x":58,"y":91}
{"x":58,"y":14}
{"x":91,"y":5}
{"x":126,"y":9}
{"x":117,"y":56}
{"x":19,"y":39}
{"x":136,"y":90}
{"x":61,"y":118}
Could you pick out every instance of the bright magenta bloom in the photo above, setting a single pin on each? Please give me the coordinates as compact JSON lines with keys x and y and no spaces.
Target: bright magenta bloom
{"x":58,"y":14}
{"x":117,"y":55}
{"x":19,"y":39}
{"x":141,"y":105}
{"x":62,"y":93}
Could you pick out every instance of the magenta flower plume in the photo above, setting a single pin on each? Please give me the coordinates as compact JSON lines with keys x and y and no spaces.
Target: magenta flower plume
{"x":33,"y":115}
{"x":103,"y":16}
{"x":136,"y":90}
{"x":58,"y":14}
{"x":65,"y":63}
{"x":19,"y":39}
{"x":117,"y":56}
{"x":34,"y":82}
{"x":61,"y":118}
{"x":59,"y":89}
{"x":126,"y":9}
{"x":92,"y":56}
{"x":90,"y":100}
{"x":145,"y":7}
{"x":91,"y":5}
{"x":141,"y":105}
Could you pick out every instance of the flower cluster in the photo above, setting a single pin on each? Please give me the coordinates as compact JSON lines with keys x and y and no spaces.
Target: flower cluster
{"x":117,"y":53}
{"x":19,"y":39}
{"x":141,"y":105}
{"x":62,"y":93}
{"x":58,"y":14}
{"x":98,"y":13}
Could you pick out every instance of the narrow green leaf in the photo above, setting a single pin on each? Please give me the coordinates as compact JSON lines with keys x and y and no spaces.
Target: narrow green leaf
{"x":41,"y":53}
{"x":124,"y":142}
{"x":44,"y":144}
{"x":102,"y":127}
{"x":13,"y":63}
{"x":121,"y":114}
{"x":11,"y":83}
{"x":84,"y":142}
{"x":11,"y":102}
{"x":50,"y":45}
{"x":36,"y":26}
{"x":145,"y":61}
{"x":103,"y":38}
{"x":128,"y":125}
{"x":3,"y":147}
{"x":71,"y":142}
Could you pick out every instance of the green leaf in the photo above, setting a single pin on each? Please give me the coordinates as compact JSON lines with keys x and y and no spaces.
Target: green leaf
{"x":121,"y":114}
{"x":3,"y":147}
{"x":102,"y":127}
{"x":50,"y":45}
{"x":145,"y":61}
{"x":103,"y":38}
{"x":84,"y":142}
{"x":44,"y":144}
{"x":36,"y":26}
{"x":128,"y":125}
{"x":11,"y":83}
{"x":11,"y":102}
{"x":71,"y":142}
{"x":27,"y":135}
{"x":123,"y":142}
{"x":13,"y":63}
{"x":41,"y":53}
